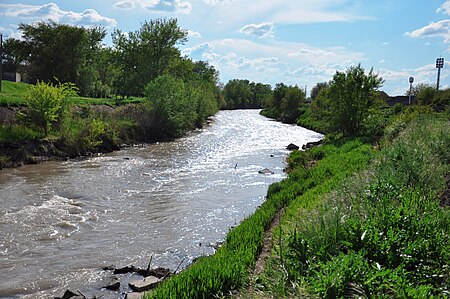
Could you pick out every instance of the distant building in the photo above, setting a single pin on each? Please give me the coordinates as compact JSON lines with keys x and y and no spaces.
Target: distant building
{"x":13,"y":77}
{"x":404,"y":100}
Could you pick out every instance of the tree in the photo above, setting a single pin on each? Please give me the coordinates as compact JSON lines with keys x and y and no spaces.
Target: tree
{"x":91,"y":71}
{"x":58,"y":50}
{"x":50,"y":50}
{"x":290,"y":104}
{"x":13,"y":55}
{"x":317,"y":89}
{"x":278,"y":94}
{"x":284,"y":103}
{"x":46,"y":104}
{"x":146,"y":54}
{"x":348,"y":99}
{"x":170,"y":106}
{"x":424,"y":94}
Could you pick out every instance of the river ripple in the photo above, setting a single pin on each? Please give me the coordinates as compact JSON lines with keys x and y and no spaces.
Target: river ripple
{"x":60,"y":222}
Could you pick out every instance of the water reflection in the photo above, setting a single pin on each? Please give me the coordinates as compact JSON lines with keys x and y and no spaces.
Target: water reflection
{"x":61,"y":221}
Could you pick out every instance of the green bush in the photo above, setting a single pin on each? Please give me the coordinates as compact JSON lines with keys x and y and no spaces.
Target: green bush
{"x":46,"y":104}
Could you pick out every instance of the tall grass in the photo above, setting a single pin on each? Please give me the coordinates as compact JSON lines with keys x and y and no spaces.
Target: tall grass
{"x":383,"y":233}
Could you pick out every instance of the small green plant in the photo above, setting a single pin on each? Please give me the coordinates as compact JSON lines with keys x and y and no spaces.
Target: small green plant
{"x":46,"y":104}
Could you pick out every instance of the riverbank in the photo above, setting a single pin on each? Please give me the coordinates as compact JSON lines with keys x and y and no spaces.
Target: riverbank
{"x":69,"y":126}
{"x":382,"y":230}
{"x":357,"y":219}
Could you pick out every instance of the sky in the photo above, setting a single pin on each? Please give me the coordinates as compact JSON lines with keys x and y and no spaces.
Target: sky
{"x":297,"y":42}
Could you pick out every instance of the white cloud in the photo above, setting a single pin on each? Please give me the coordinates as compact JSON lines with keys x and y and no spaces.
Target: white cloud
{"x":198,"y":52}
{"x":157,"y":6}
{"x":262,"y":30}
{"x":194,"y":34}
{"x":269,"y":61}
{"x":217,"y":2}
{"x":51,"y":11}
{"x":398,"y":83}
{"x":441,"y":28}
{"x":444,"y":8}
{"x":125,"y":5}
{"x":284,"y":11}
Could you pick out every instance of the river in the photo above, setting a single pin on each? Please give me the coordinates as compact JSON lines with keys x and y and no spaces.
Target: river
{"x":61,"y":222}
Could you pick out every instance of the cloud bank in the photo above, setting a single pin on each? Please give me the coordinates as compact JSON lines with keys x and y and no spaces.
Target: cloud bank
{"x":51,"y":11}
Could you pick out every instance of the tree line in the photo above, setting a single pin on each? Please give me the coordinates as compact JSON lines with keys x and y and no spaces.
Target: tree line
{"x":180,"y":93}
{"x":177,"y":94}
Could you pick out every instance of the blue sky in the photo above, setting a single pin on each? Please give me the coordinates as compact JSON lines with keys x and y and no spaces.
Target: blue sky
{"x":299,"y":42}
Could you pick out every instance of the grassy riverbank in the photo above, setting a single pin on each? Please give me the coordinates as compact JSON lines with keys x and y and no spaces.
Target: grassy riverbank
{"x":358,"y":220}
{"x":44,"y":122}
{"x":383,"y":231}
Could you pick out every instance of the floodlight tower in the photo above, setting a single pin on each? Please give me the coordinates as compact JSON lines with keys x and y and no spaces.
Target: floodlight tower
{"x":439,"y":65}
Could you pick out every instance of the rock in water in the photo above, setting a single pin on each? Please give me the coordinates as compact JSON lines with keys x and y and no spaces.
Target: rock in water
{"x":292,"y":147}
{"x":312,"y":144}
{"x":266,"y":171}
{"x":134,"y":296}
{"x":145,"y":284}
{"x":113,"y":286}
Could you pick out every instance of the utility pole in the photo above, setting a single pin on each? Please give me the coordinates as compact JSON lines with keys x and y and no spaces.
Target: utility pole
{"x":411,"y":80}
{"x":439,"y":65}
{"x":1,"y":61}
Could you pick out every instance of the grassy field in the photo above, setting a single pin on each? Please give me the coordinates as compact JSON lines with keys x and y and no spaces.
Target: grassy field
{"x":13,"y":95}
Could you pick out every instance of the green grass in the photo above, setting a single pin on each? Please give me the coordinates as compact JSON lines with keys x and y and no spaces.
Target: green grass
{"x":17,"y":133}
{"x":13,"y":93}
{"x":382,"y":233}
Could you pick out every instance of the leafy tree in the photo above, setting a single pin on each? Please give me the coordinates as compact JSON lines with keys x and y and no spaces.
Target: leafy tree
{"x":170,"y":106}
{"x":92,"y":73}
{"x":58,"y":50}
{"x":46,"y":104}
{"x":284,"y":103}
{"x":243,"y":94}
{"x":317,"y":89}
{"x":50,"y":50}
{"x":290,"y":104}
{"x":147,"y":53}
{"x":14,"y":55}
{"x":424,"y":94}
{"x":237,"y":94}
{"x":346,"y":103}
{"x":278,"y":94}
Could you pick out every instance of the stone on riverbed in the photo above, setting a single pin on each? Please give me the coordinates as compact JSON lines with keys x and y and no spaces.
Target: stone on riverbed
{"x":266,"y":171}
{"x":145,"y":284}
{"x":292,"y":147}
{"x":68,"y":294}
{"x":113,"y":286}
{"x":134,"y":296}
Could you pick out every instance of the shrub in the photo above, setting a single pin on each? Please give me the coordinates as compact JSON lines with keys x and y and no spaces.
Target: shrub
{"x":46,"y":104}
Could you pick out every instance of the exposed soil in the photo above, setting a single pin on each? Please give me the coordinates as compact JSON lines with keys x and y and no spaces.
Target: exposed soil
{"x":262,"y":258}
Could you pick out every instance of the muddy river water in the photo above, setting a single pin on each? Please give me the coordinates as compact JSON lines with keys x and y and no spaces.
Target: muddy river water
{"x":61,"y":222}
